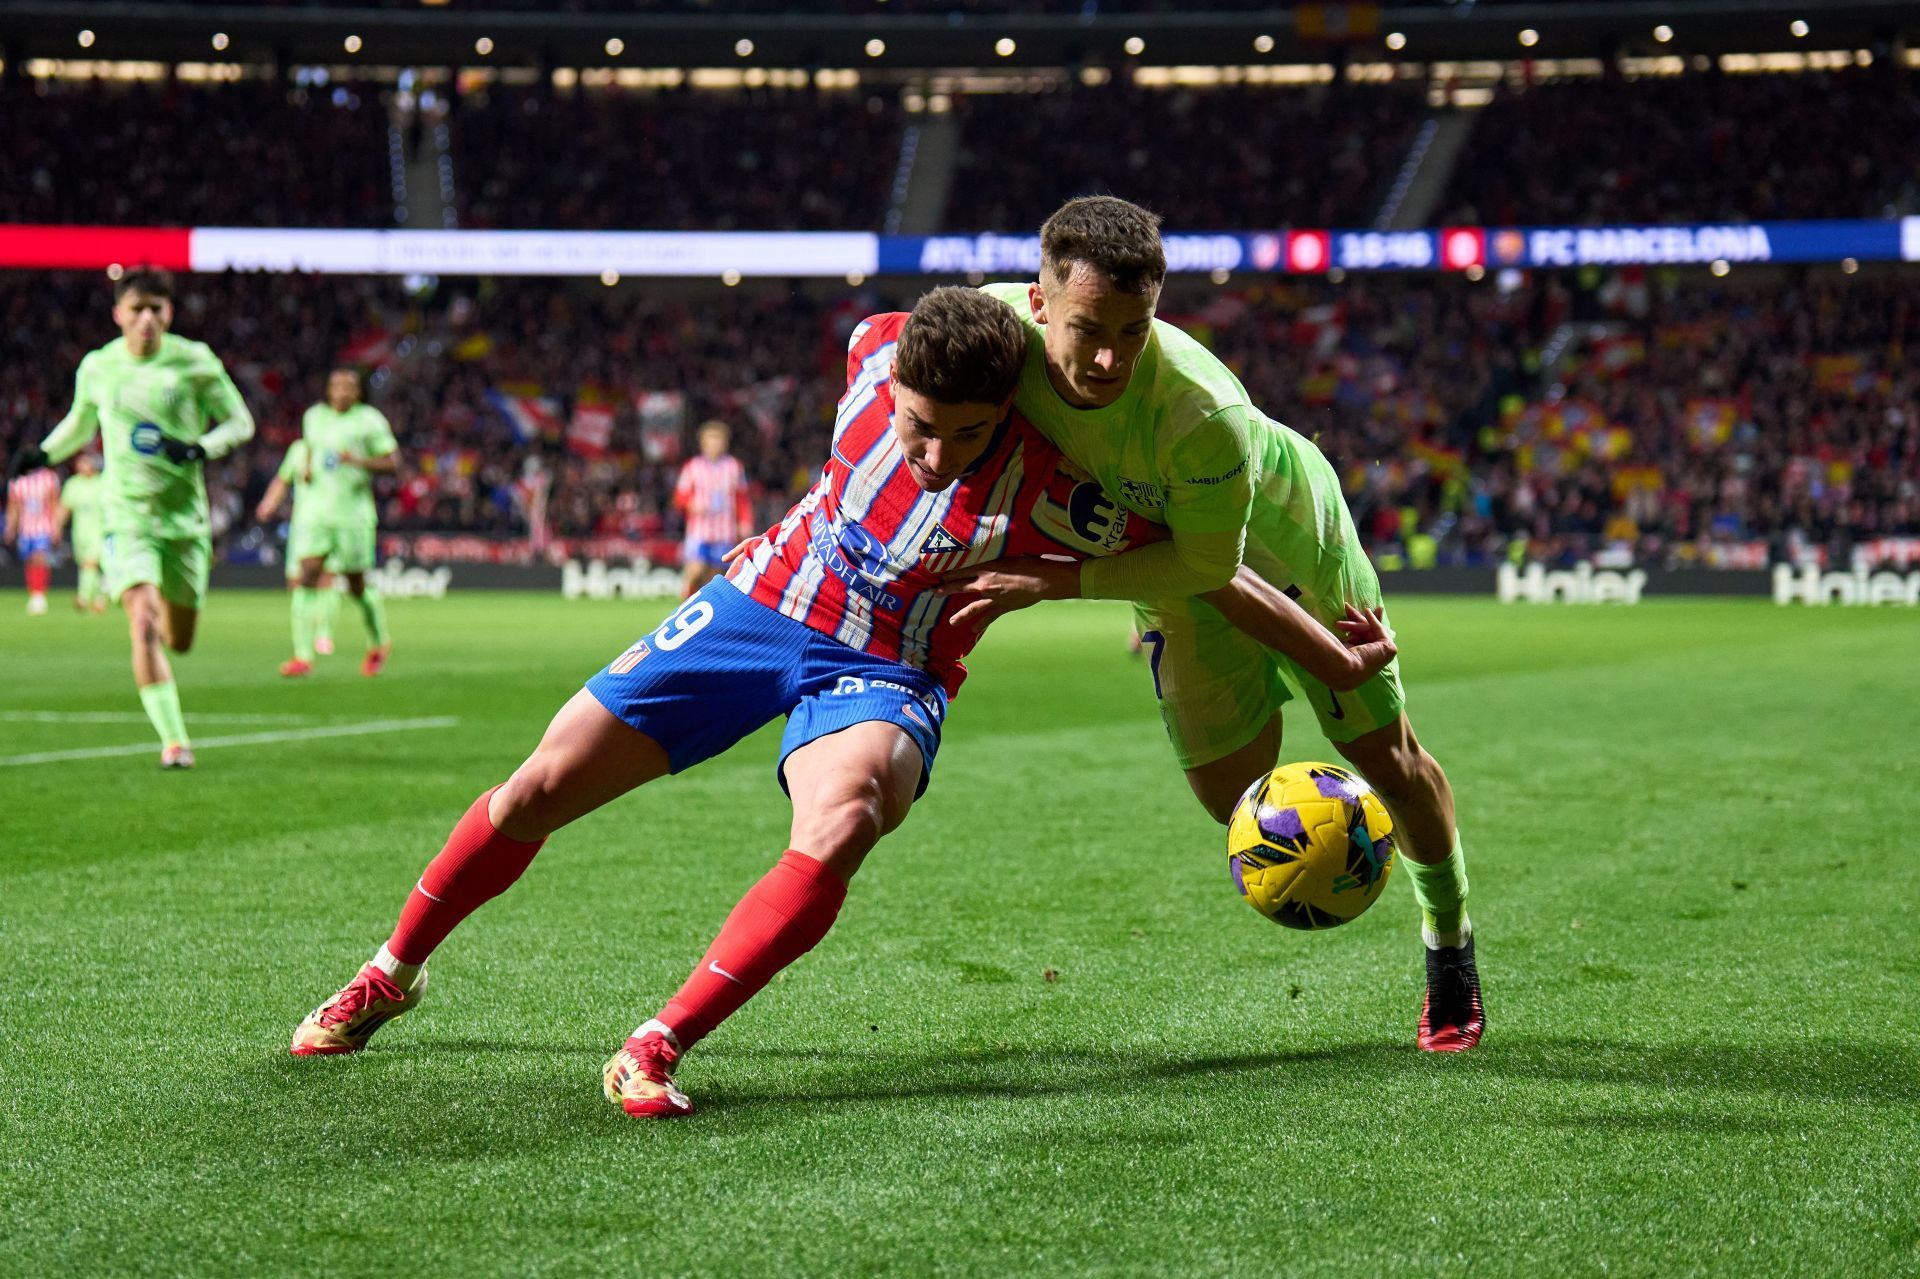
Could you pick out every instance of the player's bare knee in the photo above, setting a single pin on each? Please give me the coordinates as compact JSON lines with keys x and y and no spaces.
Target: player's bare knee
{"x":849,"y":822}
{"x":525,"y":806}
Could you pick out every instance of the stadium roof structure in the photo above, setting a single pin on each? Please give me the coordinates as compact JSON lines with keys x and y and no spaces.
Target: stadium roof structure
{"x":919,"y":35}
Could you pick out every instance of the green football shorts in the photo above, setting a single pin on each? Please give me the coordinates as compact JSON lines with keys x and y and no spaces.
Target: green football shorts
{"x":1218,"y":686}
{"x":177,"y":566}
{"x":345,"y":548}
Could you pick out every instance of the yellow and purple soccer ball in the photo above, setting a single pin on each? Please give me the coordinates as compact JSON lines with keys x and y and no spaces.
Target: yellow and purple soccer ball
{"x":1310,"y":846}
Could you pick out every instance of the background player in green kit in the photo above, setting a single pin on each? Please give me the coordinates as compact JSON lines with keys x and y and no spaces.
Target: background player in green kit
{"x":80,"y":502}
{"x":312,"y":610}
{"x":1168,"y":430}
{"x":348,"y":442}
{"x":163,"y":405}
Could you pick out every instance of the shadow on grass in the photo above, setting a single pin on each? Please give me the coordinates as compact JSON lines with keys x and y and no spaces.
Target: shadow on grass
{"x":532,"y":1093}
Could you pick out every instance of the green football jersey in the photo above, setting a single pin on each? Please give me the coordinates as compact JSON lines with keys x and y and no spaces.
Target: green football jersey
{"x":299,"y":480}
{"x":1185,"y":447}
{"x":178,"y":392}
{"x":342,"y":494}
{"x":81,"y":495}
{"x":1177,"y":448}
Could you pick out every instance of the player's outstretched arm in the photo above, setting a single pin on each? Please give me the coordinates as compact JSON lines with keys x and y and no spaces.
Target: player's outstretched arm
{"x":74,"y":431}
{"x":270,"y":500}
{"x":1271,"y":616}
{"x":226,"y":406}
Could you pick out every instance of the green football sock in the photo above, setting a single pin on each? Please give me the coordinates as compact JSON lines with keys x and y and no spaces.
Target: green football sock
{"x":305,"y":605}
{"x":326,"y":605}
{"x":1441,"y":890}
{"x":163,"y":708}
{"x":89,"y":584}
{"x":373,"y":611}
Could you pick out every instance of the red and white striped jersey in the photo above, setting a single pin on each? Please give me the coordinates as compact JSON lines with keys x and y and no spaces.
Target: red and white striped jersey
{"x":36,"y":496}
{"x":859,"y":556}
{"x":713,"y":493}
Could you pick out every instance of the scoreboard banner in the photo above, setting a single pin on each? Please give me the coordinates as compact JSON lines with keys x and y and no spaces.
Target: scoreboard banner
{"x":824,"y":254}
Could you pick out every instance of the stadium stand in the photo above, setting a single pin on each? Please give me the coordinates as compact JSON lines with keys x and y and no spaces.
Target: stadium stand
{"x":248,"y":153}
{"x":593,"y":159}
{"x":1205,"y":159}
{"x":1693,"y":148}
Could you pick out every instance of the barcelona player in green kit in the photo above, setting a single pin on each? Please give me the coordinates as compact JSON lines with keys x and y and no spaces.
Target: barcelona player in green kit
{"x":335,"y":524}
{"x":1169,"y":431}
{"x":163,"y":406}
{"x":80,"y":502}
{"x":312,"y":610}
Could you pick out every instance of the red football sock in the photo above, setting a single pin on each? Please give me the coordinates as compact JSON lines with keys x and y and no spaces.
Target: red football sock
{"x":477,"y":865}
{"x":38,"y":578}
{"x":780,"y":919}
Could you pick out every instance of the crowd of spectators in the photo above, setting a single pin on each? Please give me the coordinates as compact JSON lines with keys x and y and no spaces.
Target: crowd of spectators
{"x":1687,"y":421}
{"x":758,"y":160}
{"x":1695,"y":148}
{"x":1225,"y":158}
{"x":248,"y":153}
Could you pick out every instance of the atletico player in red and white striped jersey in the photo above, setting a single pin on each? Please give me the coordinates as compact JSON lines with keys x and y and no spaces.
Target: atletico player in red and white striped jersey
{"x":33,"y":526}
{"x":835,"y":619}
{"x":711,"y":492}
{"x":861,"y":557}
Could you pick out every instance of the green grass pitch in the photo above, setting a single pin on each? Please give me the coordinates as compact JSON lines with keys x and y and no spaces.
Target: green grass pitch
{"x":1045,"y":1038}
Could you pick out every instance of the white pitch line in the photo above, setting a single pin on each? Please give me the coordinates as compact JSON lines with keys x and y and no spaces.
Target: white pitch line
{"x":239,"y":739}
{"x":136,"y":717}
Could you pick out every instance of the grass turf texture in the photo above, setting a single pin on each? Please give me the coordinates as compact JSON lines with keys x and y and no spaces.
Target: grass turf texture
{"x":1045,"y":1037}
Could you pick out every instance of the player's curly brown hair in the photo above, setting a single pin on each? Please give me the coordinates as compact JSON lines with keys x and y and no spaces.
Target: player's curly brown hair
{"x":961,"y":347}
{"x":1118,"y":238}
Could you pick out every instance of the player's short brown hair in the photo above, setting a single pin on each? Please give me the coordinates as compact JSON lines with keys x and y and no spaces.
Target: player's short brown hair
{"x":1114,"y":236}
{"x":149,"y":280}
{"x":961,"y":347}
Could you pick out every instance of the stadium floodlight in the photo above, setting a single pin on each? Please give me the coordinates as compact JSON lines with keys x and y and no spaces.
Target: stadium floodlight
{"x":219,"y":41}
{"x":1529,"y":37}
{"x":876,"y":47}
{"x":483,"y":46}
{"x":1396,"y":40}
{"x":743,"y":48}
{"x":615,"y":47}
{"x":1263,"y":44}
{"x":86,"y":39}
{"x":1004,"y":46}
{"x":1799,"y":28}
{"x":1663,"y":33}
{"x":1135,"y":46}
{"x":351,"y":44}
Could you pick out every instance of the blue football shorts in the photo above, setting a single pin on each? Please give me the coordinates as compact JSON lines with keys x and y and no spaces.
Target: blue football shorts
{"x":709,"y":553}
{"x":724,"y":665}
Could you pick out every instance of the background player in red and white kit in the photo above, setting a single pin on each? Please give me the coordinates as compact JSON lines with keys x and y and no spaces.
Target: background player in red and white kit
{"x":833,"y":618}
{"x":712,"y":493}
{"x":33,"y":527}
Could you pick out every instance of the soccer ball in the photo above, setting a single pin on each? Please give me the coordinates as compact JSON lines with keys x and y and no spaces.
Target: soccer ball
{"x":1310,"y":846}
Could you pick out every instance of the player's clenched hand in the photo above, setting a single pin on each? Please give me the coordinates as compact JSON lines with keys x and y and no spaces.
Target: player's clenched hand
{"x":1008,"y":584}
{"x":1370,"y":644}
{"x":180,"y":452}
